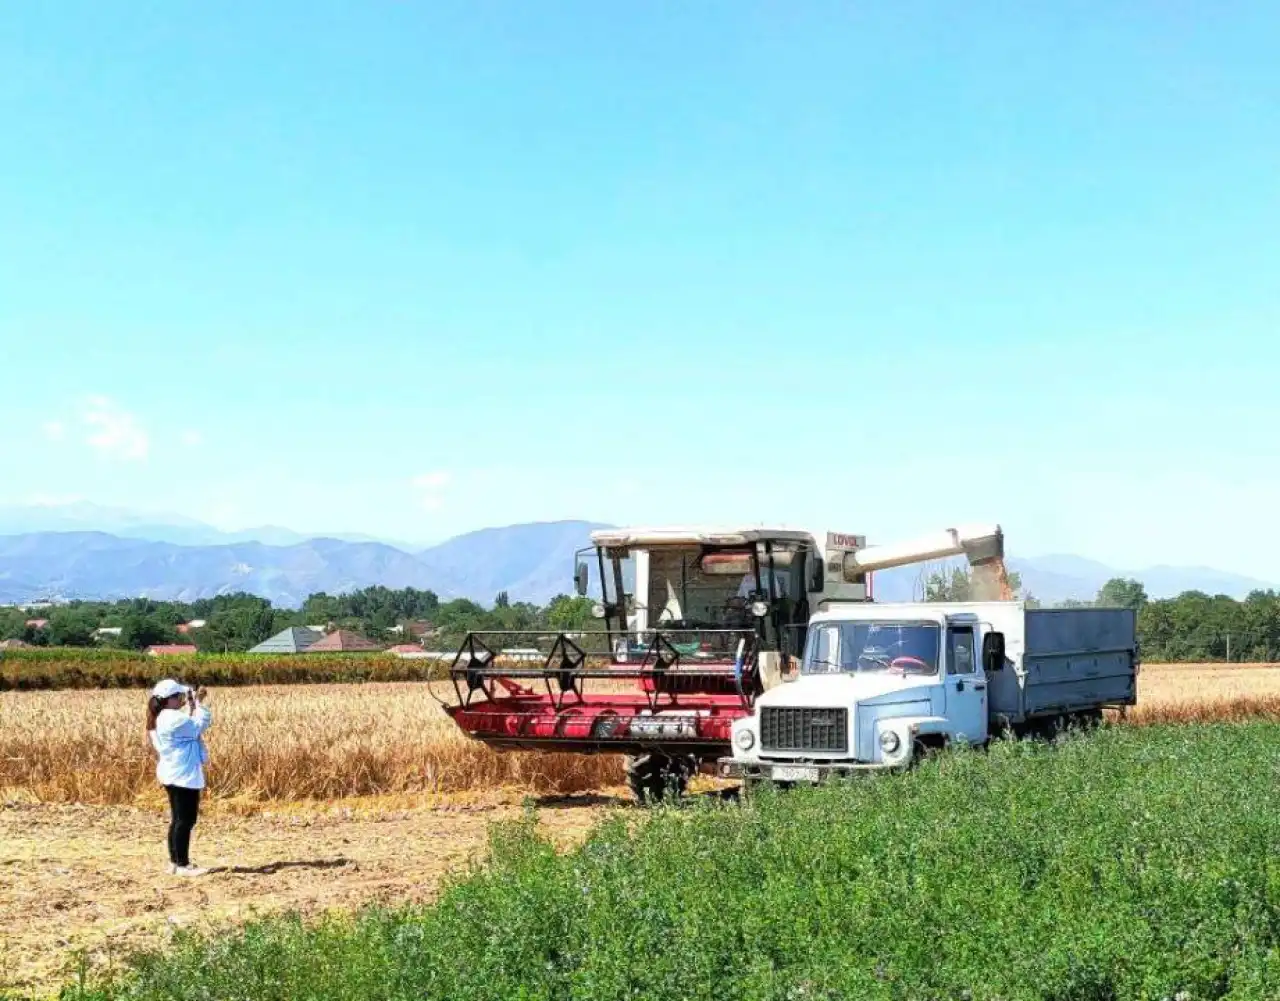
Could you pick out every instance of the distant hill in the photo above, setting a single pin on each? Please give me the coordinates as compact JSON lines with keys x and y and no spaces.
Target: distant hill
{"x":82,"y":516}
{"x":99,"y":565}
{"x":531,"y":562}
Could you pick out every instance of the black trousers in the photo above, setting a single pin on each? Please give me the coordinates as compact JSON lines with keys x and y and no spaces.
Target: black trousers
{"x":184,"y":809}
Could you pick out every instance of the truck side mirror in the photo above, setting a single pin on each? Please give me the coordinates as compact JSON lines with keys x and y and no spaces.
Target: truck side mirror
{"x":581,"y":577}
{"x":993,"y":652}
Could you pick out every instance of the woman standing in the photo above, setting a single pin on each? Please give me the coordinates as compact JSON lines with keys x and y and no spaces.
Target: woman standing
{"x":176,"y":722}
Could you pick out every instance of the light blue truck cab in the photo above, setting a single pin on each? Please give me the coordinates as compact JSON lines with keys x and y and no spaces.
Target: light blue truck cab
{"x":881,"y":684}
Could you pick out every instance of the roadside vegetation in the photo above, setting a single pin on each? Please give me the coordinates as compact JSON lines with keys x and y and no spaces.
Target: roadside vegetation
{"x":56,"y":668}
{"x":1135,"y":863}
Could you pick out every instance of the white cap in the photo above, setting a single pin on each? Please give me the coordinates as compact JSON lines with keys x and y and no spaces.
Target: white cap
{"x":168,"y":688}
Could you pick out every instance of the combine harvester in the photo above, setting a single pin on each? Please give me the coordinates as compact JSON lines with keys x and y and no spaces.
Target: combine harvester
{"x":696,"y":625}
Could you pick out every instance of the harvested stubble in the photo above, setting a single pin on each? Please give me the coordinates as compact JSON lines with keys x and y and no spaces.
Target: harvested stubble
{"x":272,"y":743}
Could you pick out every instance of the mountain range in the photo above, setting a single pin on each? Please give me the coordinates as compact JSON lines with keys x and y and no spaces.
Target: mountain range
{"x":119,"y":554}
{"x":83,"y":516}
{"x":531,"y":562}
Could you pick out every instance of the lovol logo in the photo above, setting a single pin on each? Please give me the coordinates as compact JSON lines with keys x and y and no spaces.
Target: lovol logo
{"x":839,"y":540}
{"x":822,"y":721}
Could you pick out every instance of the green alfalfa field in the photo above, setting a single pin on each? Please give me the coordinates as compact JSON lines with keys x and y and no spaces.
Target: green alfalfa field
{"x":1130,"y":863}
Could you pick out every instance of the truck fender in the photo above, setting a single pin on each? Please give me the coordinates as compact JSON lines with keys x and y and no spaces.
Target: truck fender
{"x":929,"y":731}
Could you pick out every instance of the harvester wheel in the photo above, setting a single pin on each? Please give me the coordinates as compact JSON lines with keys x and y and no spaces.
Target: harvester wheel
{"x":652,"y":777}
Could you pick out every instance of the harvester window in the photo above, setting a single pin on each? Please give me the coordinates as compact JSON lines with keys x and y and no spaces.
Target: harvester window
{"x":781,"y":584}
{"x":683,"y":593}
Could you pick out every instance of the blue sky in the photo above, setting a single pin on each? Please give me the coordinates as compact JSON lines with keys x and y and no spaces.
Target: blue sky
{"x":412,"y":269}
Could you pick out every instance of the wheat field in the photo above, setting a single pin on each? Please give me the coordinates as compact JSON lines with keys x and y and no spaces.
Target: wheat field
{"x":1201,"y":693}
{"x":289,"y":742}
{"x":333,"y":741}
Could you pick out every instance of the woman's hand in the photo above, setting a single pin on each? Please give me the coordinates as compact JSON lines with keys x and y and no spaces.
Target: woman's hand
{"x":201,"y":695}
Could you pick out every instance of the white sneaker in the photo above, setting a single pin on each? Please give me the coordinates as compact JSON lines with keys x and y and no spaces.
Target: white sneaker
{"x":189,"y":870}
{"x":173,"y":869}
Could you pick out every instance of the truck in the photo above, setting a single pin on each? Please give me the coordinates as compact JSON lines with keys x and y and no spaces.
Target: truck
{"x":881,"y":686}
{"x":697,"y":624}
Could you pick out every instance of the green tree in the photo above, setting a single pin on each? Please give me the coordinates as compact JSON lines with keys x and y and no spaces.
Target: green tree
{"x":956,"y":584}
{"x":141,"y":631}
{"x":570,"y":613}
{"x":1120,"y":592}
{"x":948,"y":585}
{"x":72,"y":626}
{"x":12,"y":623}
{"x":237,"y":626}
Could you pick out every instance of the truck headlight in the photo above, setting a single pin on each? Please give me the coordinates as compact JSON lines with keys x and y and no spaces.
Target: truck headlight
{"x":597,"y":611}
{"x":890,"y":741}
{"x":759,"y":609}
{"x":745,"y":740}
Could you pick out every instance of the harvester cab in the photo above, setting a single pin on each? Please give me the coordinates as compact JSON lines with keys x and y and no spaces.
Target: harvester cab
{"x":716,"y":589}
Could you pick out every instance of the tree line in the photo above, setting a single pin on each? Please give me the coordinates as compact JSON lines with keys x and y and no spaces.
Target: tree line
{"x":237,"y":622}
{"x":1192,"y":627}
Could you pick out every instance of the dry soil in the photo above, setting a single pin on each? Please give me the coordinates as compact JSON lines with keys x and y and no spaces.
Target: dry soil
{"x":91,"y":879}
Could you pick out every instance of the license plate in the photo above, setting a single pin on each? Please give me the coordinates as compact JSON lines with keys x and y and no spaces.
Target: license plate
{"x":795,"y":773}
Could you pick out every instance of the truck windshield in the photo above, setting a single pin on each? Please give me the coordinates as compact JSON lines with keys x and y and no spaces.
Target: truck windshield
{"x":891,"y":647}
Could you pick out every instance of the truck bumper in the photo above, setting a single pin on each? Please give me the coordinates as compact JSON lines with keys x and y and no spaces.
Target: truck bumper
{"x":796,"y":771}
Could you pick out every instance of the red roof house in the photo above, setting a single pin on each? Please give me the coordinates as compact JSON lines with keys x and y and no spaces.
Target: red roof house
{"x":171,"y":650}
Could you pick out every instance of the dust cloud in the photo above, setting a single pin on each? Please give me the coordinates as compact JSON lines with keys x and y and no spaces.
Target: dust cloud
{"x":991,"y":581}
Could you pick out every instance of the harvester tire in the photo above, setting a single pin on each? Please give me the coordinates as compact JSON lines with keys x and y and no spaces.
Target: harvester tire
{"x":653,"y":777}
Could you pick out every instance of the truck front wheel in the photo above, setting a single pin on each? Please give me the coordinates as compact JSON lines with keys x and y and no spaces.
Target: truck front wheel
{"x":653,"y":777}
{"x":926,"y":747}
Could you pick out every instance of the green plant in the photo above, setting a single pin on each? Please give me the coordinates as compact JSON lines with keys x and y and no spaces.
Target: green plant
{"x":1135,"y":863}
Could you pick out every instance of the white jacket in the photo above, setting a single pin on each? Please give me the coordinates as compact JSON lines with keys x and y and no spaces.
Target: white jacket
{"x":177,"y":740}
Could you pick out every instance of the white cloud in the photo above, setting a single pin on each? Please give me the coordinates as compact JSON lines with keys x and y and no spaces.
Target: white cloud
{"x":54,"y":430}
{"x":430,"y":488}
{"x":114,"y":432}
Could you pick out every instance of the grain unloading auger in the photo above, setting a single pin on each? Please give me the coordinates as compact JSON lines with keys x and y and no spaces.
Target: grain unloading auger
{"x":696,"y":624}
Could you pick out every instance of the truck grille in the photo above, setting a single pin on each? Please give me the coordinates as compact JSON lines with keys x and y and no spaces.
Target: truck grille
{"x":791,"y":728}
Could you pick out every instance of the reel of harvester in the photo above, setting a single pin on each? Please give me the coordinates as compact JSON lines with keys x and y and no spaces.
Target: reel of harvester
{"x":667,"y":699}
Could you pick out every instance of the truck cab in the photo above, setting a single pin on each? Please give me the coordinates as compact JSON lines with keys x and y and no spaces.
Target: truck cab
{"x":875,"y":684}
{"x":879,"y":685}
